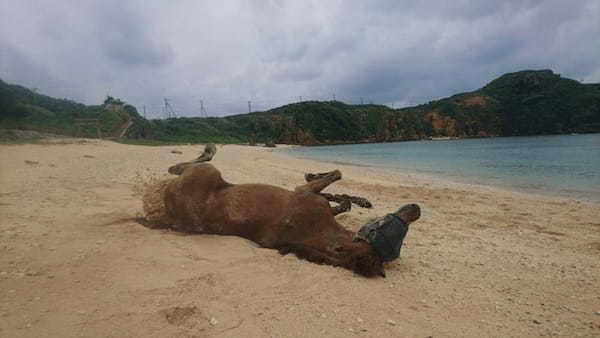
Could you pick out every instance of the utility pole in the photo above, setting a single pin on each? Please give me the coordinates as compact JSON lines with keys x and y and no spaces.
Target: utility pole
{"x":33,"y":93}
{"x":299,"y":98}
{"x":333,"y":96}
{"x":144,"y":111}
{"x":249,"y":107}
{"x":361,"y":100}
{"x":202,"y":110}
{"x":167,"y":113}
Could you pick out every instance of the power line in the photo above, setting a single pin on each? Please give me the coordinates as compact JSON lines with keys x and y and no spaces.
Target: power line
{"x":228,"y":106}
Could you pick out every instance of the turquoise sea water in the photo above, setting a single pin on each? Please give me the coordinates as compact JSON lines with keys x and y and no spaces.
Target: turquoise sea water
{"x":563,"y":165}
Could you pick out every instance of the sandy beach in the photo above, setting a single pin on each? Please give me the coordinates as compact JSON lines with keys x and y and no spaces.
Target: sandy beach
{"x":481,"y":262}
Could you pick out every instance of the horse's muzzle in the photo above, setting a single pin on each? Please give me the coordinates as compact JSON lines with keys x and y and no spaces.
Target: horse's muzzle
{"x":385,"y":236}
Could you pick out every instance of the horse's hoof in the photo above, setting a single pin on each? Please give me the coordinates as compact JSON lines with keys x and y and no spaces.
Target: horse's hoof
{"x":332,"y":175}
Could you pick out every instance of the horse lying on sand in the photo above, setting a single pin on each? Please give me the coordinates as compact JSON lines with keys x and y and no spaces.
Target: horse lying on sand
{"x":299,"y":221}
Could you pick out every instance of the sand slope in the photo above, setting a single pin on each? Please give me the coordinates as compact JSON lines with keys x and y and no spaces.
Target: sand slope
{"x":480,"y":262}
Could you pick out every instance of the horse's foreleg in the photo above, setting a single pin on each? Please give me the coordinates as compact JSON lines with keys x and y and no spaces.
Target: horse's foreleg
{"x":318,"y":182}
{"x":342,"y":207}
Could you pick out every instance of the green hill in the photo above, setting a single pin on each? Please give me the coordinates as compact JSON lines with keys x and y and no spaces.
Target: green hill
{"x":522,"y":103}
{"x":541,"y":102}
{"x":22,"y":108}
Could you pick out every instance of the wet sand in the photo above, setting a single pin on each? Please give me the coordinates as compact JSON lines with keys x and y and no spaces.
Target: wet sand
{"x":480,"y":262}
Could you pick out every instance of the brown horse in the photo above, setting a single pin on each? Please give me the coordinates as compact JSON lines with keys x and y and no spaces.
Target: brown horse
{"x":299,"y":221}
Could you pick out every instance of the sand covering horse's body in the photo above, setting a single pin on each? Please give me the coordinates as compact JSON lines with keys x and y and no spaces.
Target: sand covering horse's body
{"x":299,"y":221}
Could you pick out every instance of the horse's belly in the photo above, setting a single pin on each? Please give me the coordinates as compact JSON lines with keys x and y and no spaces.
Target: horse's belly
{"x":252,"y":210}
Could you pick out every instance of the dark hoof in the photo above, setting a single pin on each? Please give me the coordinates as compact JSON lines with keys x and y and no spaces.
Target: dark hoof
{"x":342,"y":207}
{"x":209,"y":152}
{"x":332,"y":175}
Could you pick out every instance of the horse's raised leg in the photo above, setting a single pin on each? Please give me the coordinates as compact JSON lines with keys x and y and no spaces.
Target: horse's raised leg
{"x":209,"y":152}
{"x":343,"y":206}
{"x":322,"y":181}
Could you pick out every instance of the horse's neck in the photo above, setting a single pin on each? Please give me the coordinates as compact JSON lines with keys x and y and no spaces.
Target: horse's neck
{"x":338,"y":248}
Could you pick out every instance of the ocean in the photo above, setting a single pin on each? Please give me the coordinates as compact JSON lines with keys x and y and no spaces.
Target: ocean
{"x":560,"y":165}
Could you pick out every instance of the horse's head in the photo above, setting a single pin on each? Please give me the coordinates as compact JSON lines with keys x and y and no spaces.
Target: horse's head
{"x":367,"y":263}
{"x":386,"y":234}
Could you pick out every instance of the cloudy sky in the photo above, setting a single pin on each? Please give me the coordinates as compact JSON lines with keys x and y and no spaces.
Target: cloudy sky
{"x":226,"y":53}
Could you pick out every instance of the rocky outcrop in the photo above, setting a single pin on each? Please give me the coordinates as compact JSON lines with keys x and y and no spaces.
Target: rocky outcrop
{"x":442,"y":125}
{"x":474,"y":100}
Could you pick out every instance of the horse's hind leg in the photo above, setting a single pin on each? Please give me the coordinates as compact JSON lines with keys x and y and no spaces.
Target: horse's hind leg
{"x":318,"y":182}
{"x":209,"y":152}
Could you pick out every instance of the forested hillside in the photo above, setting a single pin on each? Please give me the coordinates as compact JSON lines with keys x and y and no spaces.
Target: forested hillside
{"x":521,"y":103}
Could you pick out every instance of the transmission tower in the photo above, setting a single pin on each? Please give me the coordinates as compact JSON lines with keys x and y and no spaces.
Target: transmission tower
{"x":203,"y":112}
{"x":169,"y":110}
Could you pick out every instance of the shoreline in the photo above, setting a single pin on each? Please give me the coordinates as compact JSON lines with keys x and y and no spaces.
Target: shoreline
{"x":499,"y":180}
{"x":434,"y":138}
{"x":480,"y":262}
{"x":445,"y":181}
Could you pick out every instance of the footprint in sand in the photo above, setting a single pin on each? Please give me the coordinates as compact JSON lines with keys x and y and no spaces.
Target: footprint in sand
{"x":192,"y":318}
{"x":180,"y":315}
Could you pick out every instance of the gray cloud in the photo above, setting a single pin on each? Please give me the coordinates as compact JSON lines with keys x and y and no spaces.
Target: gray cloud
{"x":273,"y":53}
